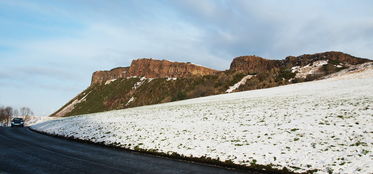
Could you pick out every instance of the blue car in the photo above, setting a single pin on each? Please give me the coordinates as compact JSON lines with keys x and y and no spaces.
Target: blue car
{"x":17,"y":122}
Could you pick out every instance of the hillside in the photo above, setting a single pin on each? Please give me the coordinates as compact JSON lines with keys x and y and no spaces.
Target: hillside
{"x":323,"y":125}
{"x":150,"y":81}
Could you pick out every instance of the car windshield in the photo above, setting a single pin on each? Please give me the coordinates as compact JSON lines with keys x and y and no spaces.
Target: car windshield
{"x":17,"y":119}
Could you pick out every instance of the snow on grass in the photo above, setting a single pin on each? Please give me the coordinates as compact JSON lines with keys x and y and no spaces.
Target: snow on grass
{"x":302,"y":72}
{"x":353,"y":72}
{"x":141,"y":82}
{"x":109,"y":81}
{"x":130,"y":100}
{"x":31,"y":120}
{"x":325,"y":125}
{"x":238,"y":84}
{"x":171,"y":78}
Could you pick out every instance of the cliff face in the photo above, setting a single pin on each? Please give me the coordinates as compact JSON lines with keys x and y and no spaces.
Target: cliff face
{"x":151,"y":68}
{"x":253,"y":64}
{"x":100,"y":77}
{"x":106,"y":93}
{"x":331,"y":56}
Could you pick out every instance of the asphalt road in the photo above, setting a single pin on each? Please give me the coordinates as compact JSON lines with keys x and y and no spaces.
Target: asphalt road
{"x":24,"y":151}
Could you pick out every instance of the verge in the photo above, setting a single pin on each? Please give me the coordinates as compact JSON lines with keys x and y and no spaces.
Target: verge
{"x":254,"y":168}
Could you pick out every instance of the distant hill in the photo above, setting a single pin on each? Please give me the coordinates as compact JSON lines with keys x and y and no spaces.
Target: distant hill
{"x":151,"y":81}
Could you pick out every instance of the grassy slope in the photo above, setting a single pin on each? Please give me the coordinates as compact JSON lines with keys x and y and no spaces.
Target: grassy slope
{"x":117,"y":94}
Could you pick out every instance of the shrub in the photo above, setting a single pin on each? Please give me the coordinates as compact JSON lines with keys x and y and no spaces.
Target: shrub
{"x":285,"y":74}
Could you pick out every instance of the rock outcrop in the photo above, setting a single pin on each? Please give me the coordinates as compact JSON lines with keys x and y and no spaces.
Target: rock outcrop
{"x":100,"y":77}
{"x":151,"y":68}
{"x":331,"y":56}
{"x":253,"y":64}
{"x":178,"y":81}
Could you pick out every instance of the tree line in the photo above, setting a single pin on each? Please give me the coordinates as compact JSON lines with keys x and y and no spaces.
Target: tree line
{"x":7,"y":113}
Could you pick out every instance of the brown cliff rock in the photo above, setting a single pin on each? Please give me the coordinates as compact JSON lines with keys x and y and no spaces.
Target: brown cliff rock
{"x":253,"y":64}
{"x":100,"y":77}
{"x":331,"y":56}
{"x":151,"y":68}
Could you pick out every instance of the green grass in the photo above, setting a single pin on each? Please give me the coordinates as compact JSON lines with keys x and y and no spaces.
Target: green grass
{"x":117,"y":94}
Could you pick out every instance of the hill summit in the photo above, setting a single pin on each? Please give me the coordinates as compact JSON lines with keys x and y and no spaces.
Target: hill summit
{"x":151,"y":81}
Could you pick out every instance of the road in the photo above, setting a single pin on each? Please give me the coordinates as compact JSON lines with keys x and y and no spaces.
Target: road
{"x":25,"y":151}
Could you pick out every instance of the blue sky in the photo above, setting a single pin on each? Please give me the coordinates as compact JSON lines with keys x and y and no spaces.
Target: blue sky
{"x":50,"y":48}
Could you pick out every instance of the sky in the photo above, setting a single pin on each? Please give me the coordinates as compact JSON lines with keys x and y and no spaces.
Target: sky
{"x":50,"y":48}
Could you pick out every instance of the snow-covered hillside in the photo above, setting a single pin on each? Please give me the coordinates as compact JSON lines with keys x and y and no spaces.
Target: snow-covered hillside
{"x":31,"y":120}
{"x":325,"y":125}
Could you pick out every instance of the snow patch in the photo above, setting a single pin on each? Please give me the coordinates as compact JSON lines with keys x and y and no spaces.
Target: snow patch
{"x":130,"y":100}
{"x":302,"y":72}
{"x":170,"y":78}
{"x":31,"y":120}
{"x":238,"y":84}
{"x":353,"y":72}
{"x":109,"y":81}
{"x":131,"y":77}
{"x":139,"y":83}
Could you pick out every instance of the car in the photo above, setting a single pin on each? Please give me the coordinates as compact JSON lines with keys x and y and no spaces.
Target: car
{"x":19,"y":122}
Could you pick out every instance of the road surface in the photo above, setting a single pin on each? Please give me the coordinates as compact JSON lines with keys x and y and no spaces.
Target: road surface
{"x":25,"y":151}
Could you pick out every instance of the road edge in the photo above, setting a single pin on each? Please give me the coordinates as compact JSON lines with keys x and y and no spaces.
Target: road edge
{"x":174,"y":156}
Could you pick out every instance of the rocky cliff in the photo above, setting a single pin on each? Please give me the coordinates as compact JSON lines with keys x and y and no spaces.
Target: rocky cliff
{"x":100,"y":77}
{"x":253,"y":64}
{"x":153,"y":81}
{"x":332,"y":56}
{"x":151,"y":68}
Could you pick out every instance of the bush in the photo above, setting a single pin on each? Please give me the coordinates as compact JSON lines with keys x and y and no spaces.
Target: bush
{"x":179,"y":96}
{"x":285,"y":74}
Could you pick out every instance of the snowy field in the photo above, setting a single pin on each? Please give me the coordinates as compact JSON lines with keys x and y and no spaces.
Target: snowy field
{"x":325,"y":125}
{"x":31,"y":120}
